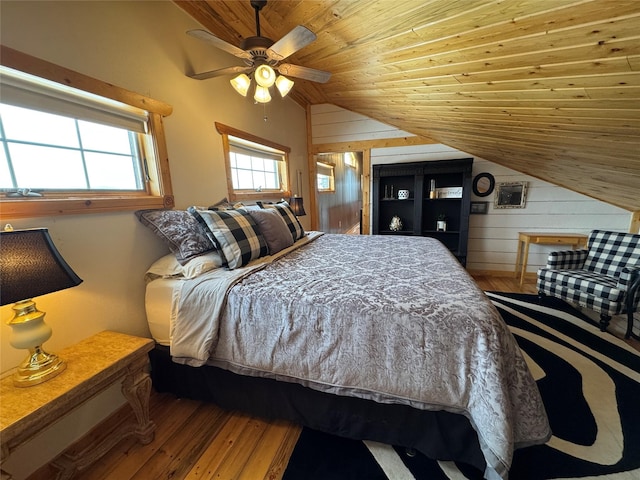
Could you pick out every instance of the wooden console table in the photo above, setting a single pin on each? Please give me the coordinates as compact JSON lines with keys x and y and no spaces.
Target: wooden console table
{"x":92,"y":365}
{"x":526,"y":238}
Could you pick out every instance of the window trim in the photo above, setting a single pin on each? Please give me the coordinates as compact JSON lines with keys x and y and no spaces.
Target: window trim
{"x":225,"y":131}
{"x":332,"y":177}
{"x":158,"y":194}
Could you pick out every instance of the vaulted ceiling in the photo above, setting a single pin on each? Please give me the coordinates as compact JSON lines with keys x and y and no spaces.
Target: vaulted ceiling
{"x":550,"y":88}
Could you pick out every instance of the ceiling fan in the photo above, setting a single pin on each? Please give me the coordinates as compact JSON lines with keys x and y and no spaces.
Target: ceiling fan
{"x":262,"y":57}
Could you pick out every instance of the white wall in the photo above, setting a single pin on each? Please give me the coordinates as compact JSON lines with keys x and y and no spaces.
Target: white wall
{"x":140,"y":46}
{"x":492,"y":237}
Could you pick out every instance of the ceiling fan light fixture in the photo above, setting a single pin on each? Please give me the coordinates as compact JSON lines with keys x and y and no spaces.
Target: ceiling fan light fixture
{"x":262,"y":94}
{"x":241,"y":84}
{"x":284,"y":85}
{"x":265,"y":76}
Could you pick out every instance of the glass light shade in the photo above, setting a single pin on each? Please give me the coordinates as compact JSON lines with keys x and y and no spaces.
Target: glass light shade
{"x":265,"y":76}
{"x":241,"y":84}
{"x":284,"y":85}
{"x":262,"y":95}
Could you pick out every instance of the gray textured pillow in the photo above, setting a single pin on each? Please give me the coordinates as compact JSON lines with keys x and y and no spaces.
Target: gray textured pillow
{"x":284,"y":209}
{"x":179,"y":230}
{"x":273,"y":228}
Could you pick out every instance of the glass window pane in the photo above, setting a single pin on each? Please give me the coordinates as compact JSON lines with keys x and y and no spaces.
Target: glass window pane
{"x":110,"y":172}
{"x":104,"y":138}
{"x":271,"y":181}
{"x":5,"y":175}
{"x":243,"y":161}
{"x":257,"y":163}
{"x":37,"y":127}
{"x":245,"y":180}
{"x":258,"y":180}
{"x":47,"y":167}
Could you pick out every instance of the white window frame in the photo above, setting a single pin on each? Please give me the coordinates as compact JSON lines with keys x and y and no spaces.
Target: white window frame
{"x":237,"y":140}
{"x":157,"y":192}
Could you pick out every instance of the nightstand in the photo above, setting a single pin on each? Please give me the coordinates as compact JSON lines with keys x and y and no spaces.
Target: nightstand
{"x":92,"y":365}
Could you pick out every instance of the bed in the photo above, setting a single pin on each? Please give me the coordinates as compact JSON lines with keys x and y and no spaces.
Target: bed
{"x":384,"y":338}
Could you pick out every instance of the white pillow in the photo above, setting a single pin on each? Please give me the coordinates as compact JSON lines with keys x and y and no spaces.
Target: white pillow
{"x":168,"y":266}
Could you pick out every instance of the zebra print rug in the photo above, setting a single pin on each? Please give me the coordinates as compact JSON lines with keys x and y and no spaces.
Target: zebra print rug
{"x":590,"y":384}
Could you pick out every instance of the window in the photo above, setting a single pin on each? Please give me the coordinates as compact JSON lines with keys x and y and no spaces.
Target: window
{"x":256,"y":168}
{"x":325,"y":177}
{"x":350,"y":159}
{"x":43,"y":151}
{"x":66,"y":150}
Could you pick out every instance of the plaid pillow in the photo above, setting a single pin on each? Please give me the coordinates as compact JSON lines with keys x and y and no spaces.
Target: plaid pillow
{"x":284,"y":209}
{"x":235,"y":235}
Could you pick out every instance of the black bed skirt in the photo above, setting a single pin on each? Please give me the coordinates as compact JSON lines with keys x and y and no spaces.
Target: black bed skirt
{"x":438,"y":435}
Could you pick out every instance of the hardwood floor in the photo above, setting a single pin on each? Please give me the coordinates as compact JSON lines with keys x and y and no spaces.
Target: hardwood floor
{"x":195,"y":440}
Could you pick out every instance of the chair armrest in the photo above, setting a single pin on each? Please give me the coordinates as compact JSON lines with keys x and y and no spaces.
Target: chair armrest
{"x":632,"y":275}
{"x":567,"y":259}
{"x":627,"y":276}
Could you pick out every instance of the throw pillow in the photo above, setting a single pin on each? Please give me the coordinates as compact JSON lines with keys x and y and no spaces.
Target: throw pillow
{"x":234,"y":233}
{"x":272,"y":226}
{"x":179,"y":230}
{"x":284,"y":209}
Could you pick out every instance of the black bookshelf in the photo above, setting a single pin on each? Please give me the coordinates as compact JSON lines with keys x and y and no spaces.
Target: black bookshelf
{"x":420,"y":212}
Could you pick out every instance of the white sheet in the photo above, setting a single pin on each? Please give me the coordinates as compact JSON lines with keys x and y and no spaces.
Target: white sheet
{"x":162,"y":294}
{"x":158,"y":300}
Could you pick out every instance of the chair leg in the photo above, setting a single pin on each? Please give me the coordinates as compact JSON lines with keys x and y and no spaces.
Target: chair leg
{"x":604,"y":322}
{"x":629,"y":324}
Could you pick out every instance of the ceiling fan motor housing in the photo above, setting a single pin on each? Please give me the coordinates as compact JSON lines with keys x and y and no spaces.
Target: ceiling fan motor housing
{"x":257,"y":47}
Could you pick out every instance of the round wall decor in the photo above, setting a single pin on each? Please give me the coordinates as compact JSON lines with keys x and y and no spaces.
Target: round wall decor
{"x":483,"y":184}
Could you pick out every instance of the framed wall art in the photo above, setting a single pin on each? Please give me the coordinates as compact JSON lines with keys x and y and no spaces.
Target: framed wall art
{"x":481,"y":208}
{"x":510,"y":195}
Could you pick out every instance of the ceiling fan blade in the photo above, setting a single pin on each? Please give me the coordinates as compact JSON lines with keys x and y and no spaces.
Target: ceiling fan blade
{"x":306,"y":73}
{"x":218,"y":43}
{"x":293,"y":41}
{"x":221,"y":71}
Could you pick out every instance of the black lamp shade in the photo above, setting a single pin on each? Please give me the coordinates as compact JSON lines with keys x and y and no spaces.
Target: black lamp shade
{"x":296,"y":206}
{"x":30,"y":266}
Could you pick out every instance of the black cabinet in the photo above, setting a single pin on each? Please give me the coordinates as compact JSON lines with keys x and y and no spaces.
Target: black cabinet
{"x":438,"y":190}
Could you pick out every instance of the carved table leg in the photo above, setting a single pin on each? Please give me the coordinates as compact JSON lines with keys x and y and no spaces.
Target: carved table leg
{"x":136,"y":388}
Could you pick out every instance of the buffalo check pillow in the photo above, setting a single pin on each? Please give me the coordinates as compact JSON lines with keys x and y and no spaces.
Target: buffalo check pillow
{"x":284,"y":209}
{"x":234,"y":233}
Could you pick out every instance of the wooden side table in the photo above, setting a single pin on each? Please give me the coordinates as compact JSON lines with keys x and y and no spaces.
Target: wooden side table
{"x":525,"y":238}
{"x":92,"y":365}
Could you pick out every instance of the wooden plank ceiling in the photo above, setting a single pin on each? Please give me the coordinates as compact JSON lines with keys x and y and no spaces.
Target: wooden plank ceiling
{"x":550,"y":88}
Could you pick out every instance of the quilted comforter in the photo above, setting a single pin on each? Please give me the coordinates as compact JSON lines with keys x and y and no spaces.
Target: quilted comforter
{"x":391,"y":319}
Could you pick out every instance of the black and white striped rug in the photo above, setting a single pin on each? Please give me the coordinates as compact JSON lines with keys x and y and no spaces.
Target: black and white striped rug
{"x":590,"y":384}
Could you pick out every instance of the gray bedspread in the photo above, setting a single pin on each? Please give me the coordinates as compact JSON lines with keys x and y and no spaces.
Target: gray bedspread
{"x":394,"y":319}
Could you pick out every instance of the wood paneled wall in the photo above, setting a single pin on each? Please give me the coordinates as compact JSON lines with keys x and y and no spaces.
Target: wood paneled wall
{"x":492,"y":237}
{"x":339,"y":211}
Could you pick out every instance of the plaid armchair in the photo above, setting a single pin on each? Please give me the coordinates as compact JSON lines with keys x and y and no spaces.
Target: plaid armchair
{"x":605,"y":277}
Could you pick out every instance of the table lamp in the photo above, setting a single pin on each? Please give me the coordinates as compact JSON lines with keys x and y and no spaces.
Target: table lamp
{"x":30,"y":265}
{"x":296,"y":206}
